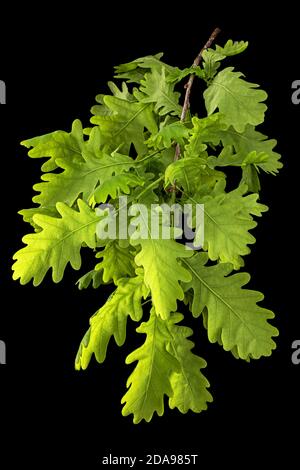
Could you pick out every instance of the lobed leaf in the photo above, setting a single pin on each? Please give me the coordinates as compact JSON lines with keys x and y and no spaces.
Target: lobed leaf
{"x":233,"y":316}
{"x":57,"y":244}
{"x":111,"y":319}
{"x":59,"y":144}
{"x":239,"y":101}
{"x":150,"y":380}
{"x":227,"y":221}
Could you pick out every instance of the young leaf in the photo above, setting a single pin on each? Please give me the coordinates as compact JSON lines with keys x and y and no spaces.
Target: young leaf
{"x":233,"y":314}
{"x":123,"y":93}
{"x":135,"y":71}
{"x":232,"y":48}
{"x":160,"y":92}
{"x":82,"y":178}
{"x":250,"y":178}
{"x":168,"y":350}
{"x":117,"y":262}
{"x":168,"y":135}
{"x":176,"y":75}
{"x":28,"y":214}
{"x":189,"y":384}
{"x":93,"y":277}
{"x":145,"y":145}
{"x":227,"y":221}
{"x":150,"y":380}
{"x":126,"y":124}
{"x":190,"y":173}
{"x":115,"y":186}
{"x":57,"y":244}
{"x":58,"y":144}
{"x":212,"y":58}
{"x":251,"y":140}
{"x":204,"y":130}
{"x":239,"y":101}
{"x":111,"y":320}
{"x":211,"y":63}
{"x":161,"y":262}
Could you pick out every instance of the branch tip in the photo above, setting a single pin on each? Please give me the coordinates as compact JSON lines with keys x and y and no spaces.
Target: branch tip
{"x":188,"y":86}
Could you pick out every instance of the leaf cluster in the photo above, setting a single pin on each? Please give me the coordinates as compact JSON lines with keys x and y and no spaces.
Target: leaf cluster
{"x":128,"y":151}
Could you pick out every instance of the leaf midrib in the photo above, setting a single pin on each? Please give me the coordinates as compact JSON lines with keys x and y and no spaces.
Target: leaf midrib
{"x":134,"y":116}
{"x":216,"y":294}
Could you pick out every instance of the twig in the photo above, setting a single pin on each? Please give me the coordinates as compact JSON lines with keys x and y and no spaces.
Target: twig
{"x":189,"y":84}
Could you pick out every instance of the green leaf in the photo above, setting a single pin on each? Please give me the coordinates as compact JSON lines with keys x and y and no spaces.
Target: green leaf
{"x":227,"y":221}
{"x":189,"y":384}
{"x":212,"y":58}
{"x":227,"y":158}
{"x":234,"y":317}
{"x":203,"y":131}
{"x":127,"y":162}
{"x":28,"y":214}
{"x":190,"y":173}
{"x":166,"y":366}
{"x":59,"y":144}
{"x":160,"y":92}
{"x":249,"y":164}
{"x":117,"y":262}
{"x":251,"y":179}
{"x":232,"y":48}
{"x":251,"y":140}
{"x":126,"y":124}
{"x":123,"y":93}
{"x":102,"y":109}
{"x":111,"y":320}
{"x":92,"y":277}
{"x":57,"y":244}
{"x":253,"y":152}
{"x":150,"y":380}
{"x":160,"y":259}
{"x":176,"y":75}
{"x":239,"y":101}
{"x":176,"y":132}
{"x":82,"y":178}
{"x":116,"y":186}
{"x":135,"y":71}
{"x":146,"y":195}
{"x":211,"y":63}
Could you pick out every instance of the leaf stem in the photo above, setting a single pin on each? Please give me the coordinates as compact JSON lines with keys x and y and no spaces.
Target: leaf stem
{"x":190,"y":82}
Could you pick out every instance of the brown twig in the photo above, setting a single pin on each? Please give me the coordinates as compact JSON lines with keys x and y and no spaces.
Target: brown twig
{"x":188,"y":86}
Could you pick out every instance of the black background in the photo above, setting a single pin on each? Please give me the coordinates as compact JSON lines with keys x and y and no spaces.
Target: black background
{"x":54,"y":63}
